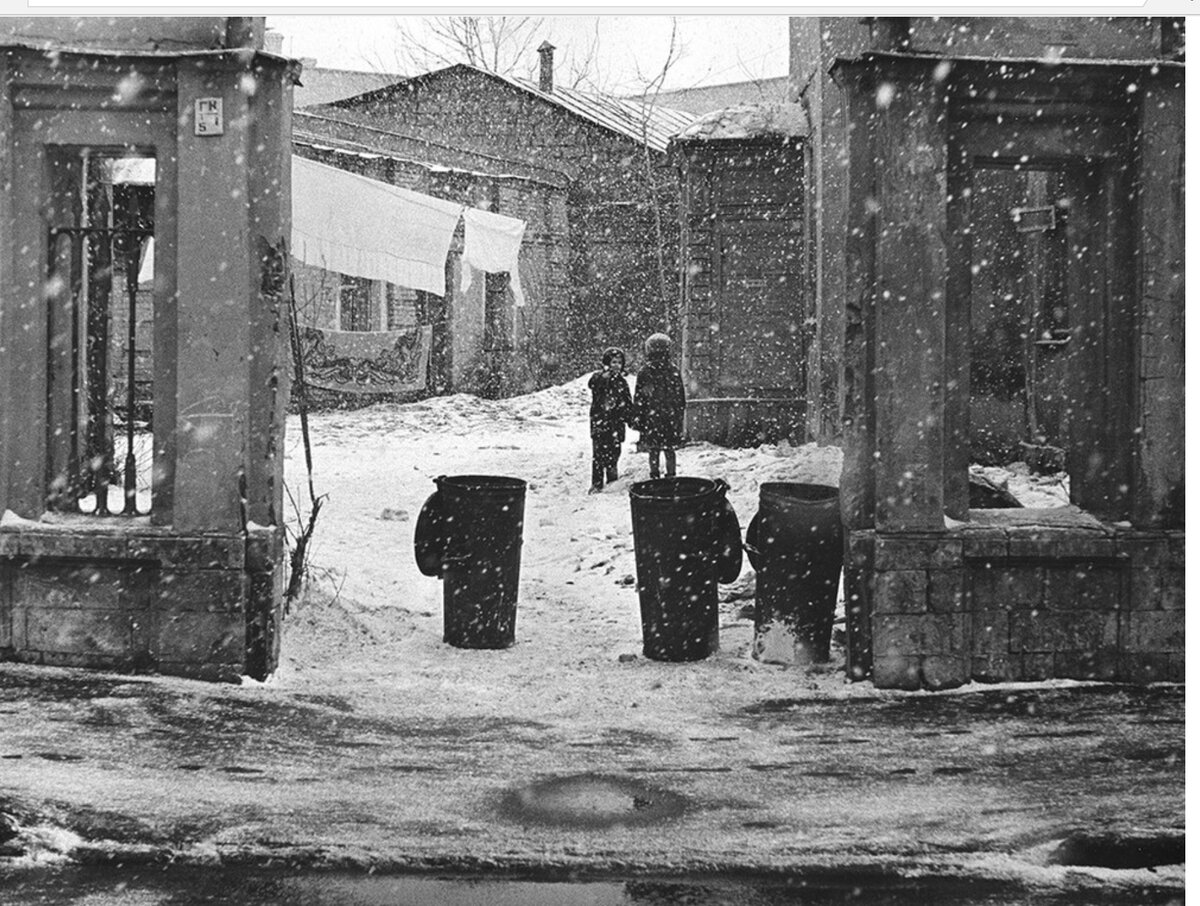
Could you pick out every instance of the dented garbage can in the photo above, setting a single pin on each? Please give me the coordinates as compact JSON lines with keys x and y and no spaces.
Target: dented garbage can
{"x":794,"y":543}
{"x":469,"y":534}
{"x":686,"y":539}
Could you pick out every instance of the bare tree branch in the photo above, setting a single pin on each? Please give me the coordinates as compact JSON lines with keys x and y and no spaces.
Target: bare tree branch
{"x":647,"y":98}
{"x":583,"y":61}
{"x":652,"y":85}
{"x":499,"y":44}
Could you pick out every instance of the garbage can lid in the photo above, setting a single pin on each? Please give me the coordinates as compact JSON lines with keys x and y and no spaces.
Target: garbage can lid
{"x":480,"y":482}
{"x":798,"y":491}
{"x":677,"y":488}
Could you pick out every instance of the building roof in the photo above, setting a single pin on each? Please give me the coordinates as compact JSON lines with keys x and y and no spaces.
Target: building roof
{"x":636,"y":119}
{"x":346,"y":148}
{"x":706,"y":98}
{"x":320,"y":125}
{"x":324,"y":86}
{"x":750,"y":121}
{"x":160,"y":35}
{"x":1043,"y":62}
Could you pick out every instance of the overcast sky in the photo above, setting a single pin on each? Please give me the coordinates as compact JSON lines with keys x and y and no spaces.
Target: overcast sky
{"x":715,"y":49}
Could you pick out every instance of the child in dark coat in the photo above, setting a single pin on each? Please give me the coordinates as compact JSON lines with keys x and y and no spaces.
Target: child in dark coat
{"x":611,"y":407}
{"x":658,"y":402}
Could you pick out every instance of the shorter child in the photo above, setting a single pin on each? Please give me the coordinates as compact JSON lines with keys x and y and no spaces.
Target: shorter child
{"x":611,"y":407}
{"x":658,"y":402}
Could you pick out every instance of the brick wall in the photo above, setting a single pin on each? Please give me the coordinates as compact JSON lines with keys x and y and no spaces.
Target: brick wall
{"x":203,"y":606}
{"x":1024,"y":603}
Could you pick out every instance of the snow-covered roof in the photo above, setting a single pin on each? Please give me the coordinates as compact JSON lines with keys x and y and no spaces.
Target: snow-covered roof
{"x":329,"y":144}
{"x":706,"y":98}
{"x":749,"y":121}
{"x":321,"y":85}
{"x":320,"y":128}
{"x":639,"y":120}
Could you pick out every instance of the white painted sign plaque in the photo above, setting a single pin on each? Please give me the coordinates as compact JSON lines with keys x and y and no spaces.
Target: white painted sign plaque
{"x":210,"y":116}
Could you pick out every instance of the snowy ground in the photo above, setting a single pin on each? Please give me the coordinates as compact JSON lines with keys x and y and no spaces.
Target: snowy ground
{"x":373,"y":621}
{"x":377,"y":745}
{"x":370,"y":620}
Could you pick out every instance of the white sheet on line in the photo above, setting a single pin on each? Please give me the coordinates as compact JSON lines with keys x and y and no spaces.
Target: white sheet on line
{"x":491,"y":242}
{"x":366,"y":228}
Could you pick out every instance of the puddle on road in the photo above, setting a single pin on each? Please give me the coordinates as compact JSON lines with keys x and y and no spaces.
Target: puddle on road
{"x":167,"y":886}
{"x":591,"y":801}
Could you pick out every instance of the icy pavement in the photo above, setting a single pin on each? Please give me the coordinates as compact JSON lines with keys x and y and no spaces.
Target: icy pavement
{"x":376,"y":745}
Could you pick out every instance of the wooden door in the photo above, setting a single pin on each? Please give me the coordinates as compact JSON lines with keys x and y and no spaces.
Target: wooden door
{"x":761,"y":346}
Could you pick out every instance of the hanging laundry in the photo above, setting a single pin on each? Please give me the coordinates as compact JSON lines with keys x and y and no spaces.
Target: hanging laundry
{"x":491,"y":243}
{"x":366,"y":228}
{"x":392,"y":361}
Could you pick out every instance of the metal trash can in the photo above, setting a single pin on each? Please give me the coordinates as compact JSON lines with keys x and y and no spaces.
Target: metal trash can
{"x":469,"y":534}
{"x":795,"y":545}
{"x":686,"y":539}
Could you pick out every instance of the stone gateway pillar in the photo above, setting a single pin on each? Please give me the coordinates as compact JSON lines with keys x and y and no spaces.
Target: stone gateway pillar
{"x":1064,"y":180}
{"x":143,"y":379}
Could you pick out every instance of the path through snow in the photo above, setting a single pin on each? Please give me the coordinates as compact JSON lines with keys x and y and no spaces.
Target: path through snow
{"x":373,"y":622}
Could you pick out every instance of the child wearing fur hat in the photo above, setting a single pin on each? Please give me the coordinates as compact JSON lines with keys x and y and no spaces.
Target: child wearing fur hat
{"x":611,"y":406}
{"x":658,"y":402}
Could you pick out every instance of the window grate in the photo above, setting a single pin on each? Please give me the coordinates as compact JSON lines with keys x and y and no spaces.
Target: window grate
{"x":100,"y":355}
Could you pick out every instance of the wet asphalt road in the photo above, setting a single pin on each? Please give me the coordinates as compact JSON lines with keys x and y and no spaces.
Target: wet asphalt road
{"x":185,"y":887}
{"x":146,"y":771}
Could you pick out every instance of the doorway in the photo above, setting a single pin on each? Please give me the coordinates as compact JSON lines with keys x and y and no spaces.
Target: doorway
{"x":1020,"y":328}
{"x":1045,"y":263}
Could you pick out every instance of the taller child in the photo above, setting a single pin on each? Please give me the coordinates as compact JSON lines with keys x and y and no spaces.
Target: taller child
{"x":658,"y":402}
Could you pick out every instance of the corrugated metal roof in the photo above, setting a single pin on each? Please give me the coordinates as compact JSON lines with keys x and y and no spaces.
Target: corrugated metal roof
{"x":635,"y":118}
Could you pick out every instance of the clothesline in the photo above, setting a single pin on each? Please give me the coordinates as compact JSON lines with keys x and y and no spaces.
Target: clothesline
{"x":362,"y":227}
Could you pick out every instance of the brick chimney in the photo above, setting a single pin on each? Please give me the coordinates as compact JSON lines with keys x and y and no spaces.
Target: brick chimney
{"x":890,"y":33}
{"x":245,"y":32}
{"x":546,"y":76}
{"x":1172,"y":38}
